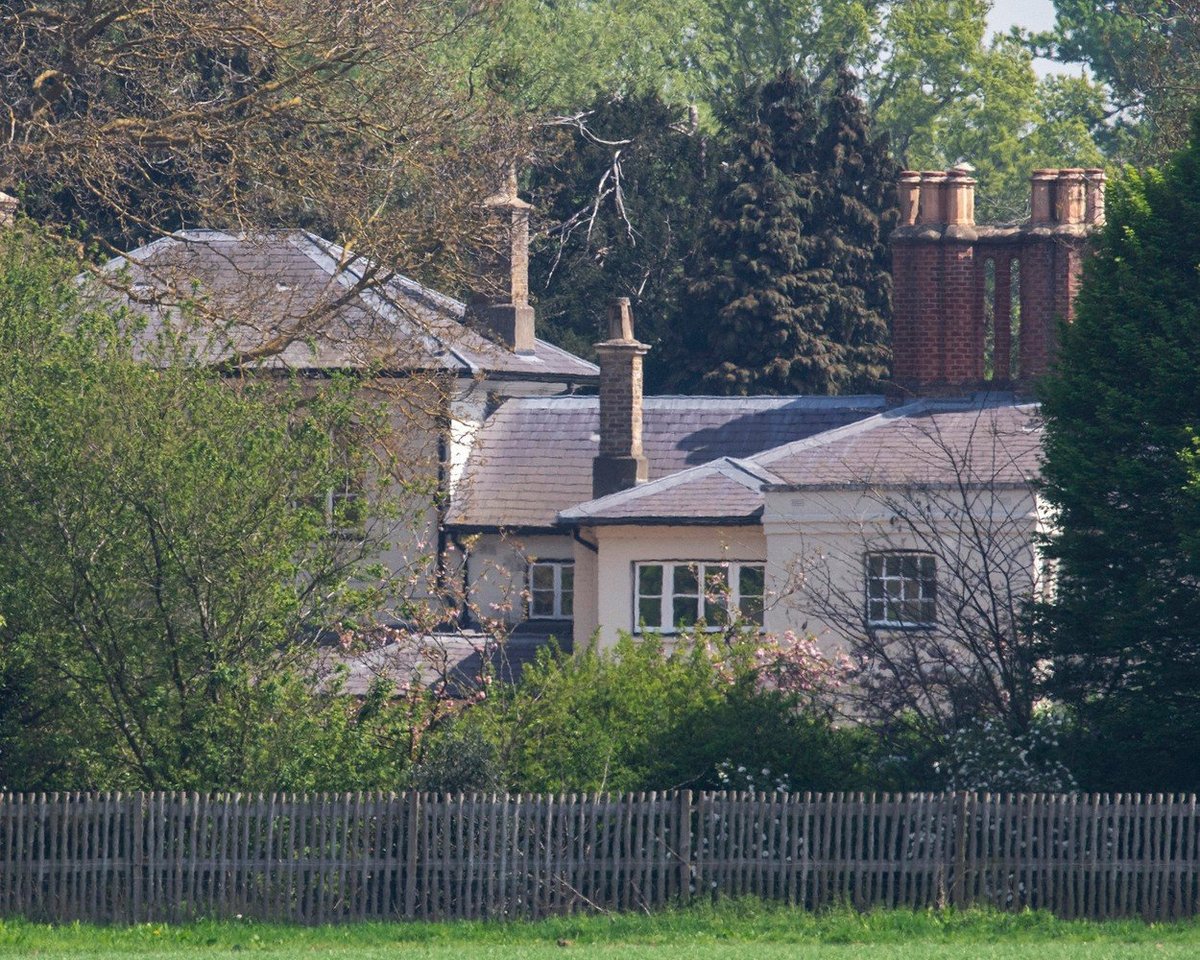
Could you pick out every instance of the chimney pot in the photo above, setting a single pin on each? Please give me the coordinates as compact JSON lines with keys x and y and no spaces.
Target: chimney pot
{"x":933,"y":197}
{"x":960,"y":196}
{"x":1094,"y":206}
{"x":1070,"y":200}
{"x":1041,"y":197}
{"x":620,"y":319}
{"x":909,"y":187}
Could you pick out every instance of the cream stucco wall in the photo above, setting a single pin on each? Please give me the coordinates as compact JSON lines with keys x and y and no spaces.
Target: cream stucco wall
{"x":497,"y":565}
{"x":620,"y":547}
{"x":817,"y":542}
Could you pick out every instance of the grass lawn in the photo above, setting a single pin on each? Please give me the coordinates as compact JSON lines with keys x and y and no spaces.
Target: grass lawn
{"x":733,"y":931}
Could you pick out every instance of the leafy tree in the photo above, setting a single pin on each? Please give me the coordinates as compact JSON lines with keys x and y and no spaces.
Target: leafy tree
{"x":620,"y":221}
{"x":791,"y":291}
{"x":166,"y":549}
{"x":1147,"y":55}
{"x":1121,"y":414}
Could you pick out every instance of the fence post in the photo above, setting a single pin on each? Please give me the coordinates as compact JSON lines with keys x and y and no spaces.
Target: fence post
{"x":135,"y":858}
{"x":412,"y":832}
{"x":684,"y":845}
{"x":962,"y":836}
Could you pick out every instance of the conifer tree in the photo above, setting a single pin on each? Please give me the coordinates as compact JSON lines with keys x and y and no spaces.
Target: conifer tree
{"x":791,"y":294}
{"x":1122,"y":415}
{"x":855,"y":215}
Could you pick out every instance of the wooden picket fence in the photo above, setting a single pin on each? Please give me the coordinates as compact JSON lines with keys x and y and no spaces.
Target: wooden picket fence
{"x":340,"y":857}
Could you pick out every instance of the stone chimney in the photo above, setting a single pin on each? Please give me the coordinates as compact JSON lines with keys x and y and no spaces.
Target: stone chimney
{"x":620,"y":464}
{"x":8,"y":210}
{"x":505,"y":315}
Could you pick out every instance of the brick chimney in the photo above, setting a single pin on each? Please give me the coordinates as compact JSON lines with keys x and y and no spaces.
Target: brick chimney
{"x":936,"y":341}
{"x":8,"y":210}
{"x":504,"y":314}
{"x":943,"y":323}
{"x":620,"y":464}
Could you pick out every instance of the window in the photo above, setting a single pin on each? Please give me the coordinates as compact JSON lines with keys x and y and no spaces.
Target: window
{"x":551,"y":590}
{"x":674,"y":596}
{"x":901,"y":589}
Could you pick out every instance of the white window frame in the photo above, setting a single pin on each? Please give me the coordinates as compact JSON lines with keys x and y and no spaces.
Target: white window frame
{"x":921,"y":581}
{"x":557,"y":566}
{"x":667,"y":598}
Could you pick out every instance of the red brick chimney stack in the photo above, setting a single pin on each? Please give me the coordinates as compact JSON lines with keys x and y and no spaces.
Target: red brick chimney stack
{"x":620,"y":464}
{"x":506,"y":315}
{"x":947,"y":338}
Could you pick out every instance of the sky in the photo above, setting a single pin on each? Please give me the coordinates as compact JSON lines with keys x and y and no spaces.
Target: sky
{"x":1030,"y":14}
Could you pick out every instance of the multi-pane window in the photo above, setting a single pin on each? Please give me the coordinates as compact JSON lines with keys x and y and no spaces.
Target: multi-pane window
{"x":674,"y":596}
{"x":901,"y":589}
{"x":551,"y":590}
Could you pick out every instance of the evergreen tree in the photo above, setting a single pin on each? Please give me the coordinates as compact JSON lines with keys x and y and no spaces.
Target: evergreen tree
{"x":791,"y":294}
{"x":855,"y":216}
{"x":1122,"y":412}
{"x":599,"y":244}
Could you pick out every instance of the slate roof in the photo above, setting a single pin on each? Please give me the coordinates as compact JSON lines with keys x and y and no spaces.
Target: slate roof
{"x":533,"y":457}
{"x":450,"y":663}
{"x":253,"y":288}
{"x":931,"y":442}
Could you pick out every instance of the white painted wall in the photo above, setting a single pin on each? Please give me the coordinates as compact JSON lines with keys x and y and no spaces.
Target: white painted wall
{"x":817,"y":541}
{"x":623,"y":546}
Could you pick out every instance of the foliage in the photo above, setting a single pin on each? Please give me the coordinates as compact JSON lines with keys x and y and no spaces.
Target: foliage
{"x":127,"y":120}
{"x":791,"y":291}
{"x":166,"y":549}
{"x":987,"y":755}
{"x":618,"y":221}
{"x":642,"y":716}
{"x":1146,"y":53}
{"x":1121,"y":413}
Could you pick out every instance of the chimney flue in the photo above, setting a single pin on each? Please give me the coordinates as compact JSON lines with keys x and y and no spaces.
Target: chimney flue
{"x":620,"y":463}
{"x":1094,"y":208}
{"x":506,"y":315}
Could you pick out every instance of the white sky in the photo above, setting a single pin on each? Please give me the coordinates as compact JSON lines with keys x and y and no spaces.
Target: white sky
{"x":1030,"y":14}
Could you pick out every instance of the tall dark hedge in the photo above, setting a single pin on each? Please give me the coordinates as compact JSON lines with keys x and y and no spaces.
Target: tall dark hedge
{"x":1122,"y":414}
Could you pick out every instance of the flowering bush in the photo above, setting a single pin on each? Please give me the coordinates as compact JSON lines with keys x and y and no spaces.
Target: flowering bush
{"x":986,"y":755}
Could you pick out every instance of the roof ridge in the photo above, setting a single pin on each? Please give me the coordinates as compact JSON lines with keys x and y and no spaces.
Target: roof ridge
{"x":838,"y":433}
{"x":756,"y":471}
{"x":668,"y":482}
{"x":322,"y":255}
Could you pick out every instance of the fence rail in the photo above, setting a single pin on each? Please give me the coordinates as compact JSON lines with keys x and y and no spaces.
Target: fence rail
{"x":341,"y":857}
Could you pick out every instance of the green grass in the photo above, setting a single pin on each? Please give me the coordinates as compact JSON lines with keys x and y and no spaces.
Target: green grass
{"x":733,"y":931}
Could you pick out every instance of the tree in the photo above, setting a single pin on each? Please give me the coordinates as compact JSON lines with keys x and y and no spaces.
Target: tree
{"x":790,"y":293}
{"x":856,"y":213}
{"x":1147,"y":55}
{"x":1121,"y":415}
{"x":622,"y":203}
{"x":127,"y":120}
{"x":169,"y":556}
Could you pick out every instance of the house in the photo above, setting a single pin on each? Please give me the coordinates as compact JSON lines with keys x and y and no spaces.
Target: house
{"x":576,"y":511}
{"x":798,"y":513}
